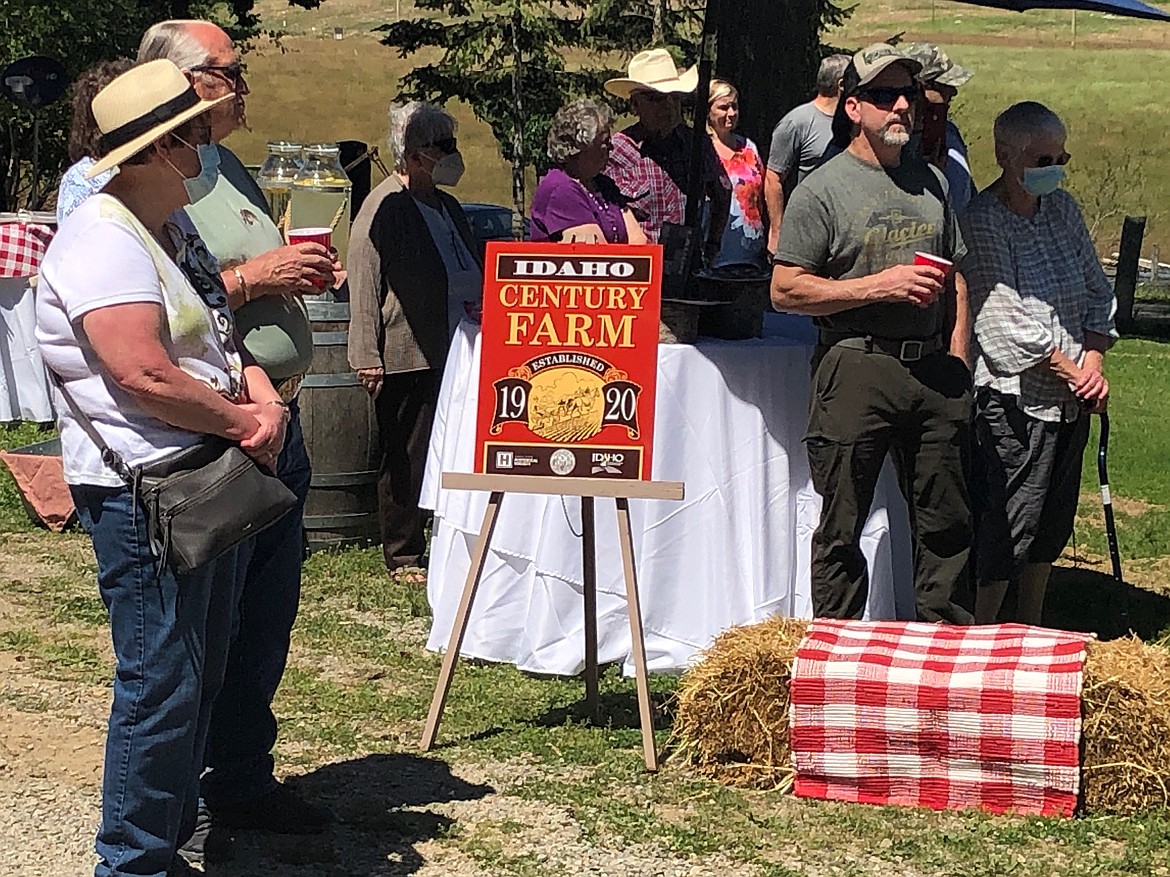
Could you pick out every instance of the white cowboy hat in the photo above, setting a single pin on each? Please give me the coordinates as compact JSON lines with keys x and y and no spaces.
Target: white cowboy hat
{"x":654,"y":70}
{"x":140,"y":106}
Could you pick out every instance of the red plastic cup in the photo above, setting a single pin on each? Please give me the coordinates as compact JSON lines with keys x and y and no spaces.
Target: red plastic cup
{"x":322,"y":236}
{"x":944,"y":265}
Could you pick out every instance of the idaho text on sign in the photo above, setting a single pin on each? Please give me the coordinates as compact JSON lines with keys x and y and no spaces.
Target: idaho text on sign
{"x":569,"y":360}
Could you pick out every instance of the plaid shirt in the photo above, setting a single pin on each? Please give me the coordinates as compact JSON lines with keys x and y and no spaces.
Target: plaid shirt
{"x":652,"y":174}
{"x":1035,"y":285}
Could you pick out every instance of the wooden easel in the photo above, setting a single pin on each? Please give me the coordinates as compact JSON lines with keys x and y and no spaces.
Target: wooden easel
{"x":588,"y":489}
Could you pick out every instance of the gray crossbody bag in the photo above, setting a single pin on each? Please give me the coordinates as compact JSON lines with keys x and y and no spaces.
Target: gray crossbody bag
{"x":199,"y":502}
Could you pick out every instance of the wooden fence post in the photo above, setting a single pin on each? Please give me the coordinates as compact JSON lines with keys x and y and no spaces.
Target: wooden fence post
{"x":1125,"y":282}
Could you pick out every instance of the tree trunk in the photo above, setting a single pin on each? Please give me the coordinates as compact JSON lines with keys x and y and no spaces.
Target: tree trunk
{"x":769,"y":50}
{"x":518,"y":196}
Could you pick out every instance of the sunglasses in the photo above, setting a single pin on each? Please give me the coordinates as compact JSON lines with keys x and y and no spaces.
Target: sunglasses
{"x":1049,"y":160}
{"x":884,"y":96}
{"x":447,"y":145}
{"x":232,"y":74}
{"x":650,"y":96}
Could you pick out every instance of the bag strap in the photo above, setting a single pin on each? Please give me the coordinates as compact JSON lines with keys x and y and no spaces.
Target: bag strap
{"x":109,"y":456}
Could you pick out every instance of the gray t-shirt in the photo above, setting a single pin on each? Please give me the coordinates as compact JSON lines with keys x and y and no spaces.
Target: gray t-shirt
{"x":799,"y":143}
{"x":852,"y":219}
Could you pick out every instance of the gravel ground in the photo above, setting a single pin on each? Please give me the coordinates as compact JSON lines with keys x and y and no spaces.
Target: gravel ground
{"x":51,"y":812}
{"x":399,"y":813}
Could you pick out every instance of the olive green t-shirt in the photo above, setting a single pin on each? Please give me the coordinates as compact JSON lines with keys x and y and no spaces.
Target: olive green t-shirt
{"x":275,"y":329}
{"x":851,"y":219}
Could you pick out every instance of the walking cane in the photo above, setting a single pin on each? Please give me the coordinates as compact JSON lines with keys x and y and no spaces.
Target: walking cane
{"x":1106,"y":498}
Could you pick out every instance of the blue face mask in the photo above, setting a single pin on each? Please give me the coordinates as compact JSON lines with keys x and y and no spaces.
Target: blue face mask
{"x":200,"y":186}
{"x":1040,"y":181}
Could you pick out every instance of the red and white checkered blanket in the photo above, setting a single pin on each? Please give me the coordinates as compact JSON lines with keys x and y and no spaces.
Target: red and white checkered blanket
{"x":22,"y":246}
{"x":936,"y":716}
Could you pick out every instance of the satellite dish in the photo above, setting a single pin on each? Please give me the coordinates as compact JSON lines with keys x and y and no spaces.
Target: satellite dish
{"x":34,"y":82}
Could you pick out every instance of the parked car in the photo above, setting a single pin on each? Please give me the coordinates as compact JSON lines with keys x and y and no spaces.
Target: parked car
{"x":492,"y":222}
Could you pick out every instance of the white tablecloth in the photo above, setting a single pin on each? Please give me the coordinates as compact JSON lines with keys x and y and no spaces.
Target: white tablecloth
{"x":24,"y":386}
{"x":729,"y":421}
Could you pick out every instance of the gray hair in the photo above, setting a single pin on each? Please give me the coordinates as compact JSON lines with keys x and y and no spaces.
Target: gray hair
{"x":831,"y":70}
{"x":413,"y":125}
{"x":174,"y":41}
{"x":575,"y":127}
{"x":1016,"y":126}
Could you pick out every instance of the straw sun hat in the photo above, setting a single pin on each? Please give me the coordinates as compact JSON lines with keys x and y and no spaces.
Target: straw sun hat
{"x":654,"y":70}
{"x":141,"y":105}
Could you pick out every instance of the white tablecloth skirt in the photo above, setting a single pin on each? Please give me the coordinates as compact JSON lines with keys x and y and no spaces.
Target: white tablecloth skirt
{"x":24,"y":386}
{"x":729,"y":422}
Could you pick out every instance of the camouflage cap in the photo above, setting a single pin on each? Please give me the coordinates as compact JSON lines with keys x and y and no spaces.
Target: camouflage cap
{"x":872,"y":60}
{"x":937,"y":66}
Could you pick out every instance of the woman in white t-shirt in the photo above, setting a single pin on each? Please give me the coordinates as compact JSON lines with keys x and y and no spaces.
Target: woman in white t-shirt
{"x":149,"y":365}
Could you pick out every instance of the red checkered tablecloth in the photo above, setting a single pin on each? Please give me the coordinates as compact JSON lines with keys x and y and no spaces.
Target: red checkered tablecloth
{"x":937,"y":716}
{"x":22,"y":246}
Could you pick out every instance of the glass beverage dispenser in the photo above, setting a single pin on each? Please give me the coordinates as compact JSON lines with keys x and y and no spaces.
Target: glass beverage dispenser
{"x":276,"y":176}
{"x":320,"y":195}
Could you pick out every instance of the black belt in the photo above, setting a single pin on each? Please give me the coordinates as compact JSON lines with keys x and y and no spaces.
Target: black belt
{"x":904,"y":349}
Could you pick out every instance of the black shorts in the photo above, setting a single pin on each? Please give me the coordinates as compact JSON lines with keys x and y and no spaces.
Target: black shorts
{"x":1027,"y":480}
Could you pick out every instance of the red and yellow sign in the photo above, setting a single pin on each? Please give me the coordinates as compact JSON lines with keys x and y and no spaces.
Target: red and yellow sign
{"x":569,"y":360}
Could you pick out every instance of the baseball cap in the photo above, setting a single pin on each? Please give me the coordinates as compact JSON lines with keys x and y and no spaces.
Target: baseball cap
{"x":872,"y":60}
{"x":937,"y":65}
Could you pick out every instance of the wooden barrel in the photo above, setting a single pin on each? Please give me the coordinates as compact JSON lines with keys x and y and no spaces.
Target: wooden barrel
{"x":341,"y":437}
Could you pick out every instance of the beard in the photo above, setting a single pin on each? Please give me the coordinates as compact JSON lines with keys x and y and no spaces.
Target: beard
{"x":890,"y":137}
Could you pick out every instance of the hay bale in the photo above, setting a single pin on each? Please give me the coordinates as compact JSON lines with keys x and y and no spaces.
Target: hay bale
{"x":1126,"y":735}
{"x":732,"y":717}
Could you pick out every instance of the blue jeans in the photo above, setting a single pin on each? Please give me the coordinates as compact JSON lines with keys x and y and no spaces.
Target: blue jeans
{"x":170,"y":634}
{"x":243,"y":727}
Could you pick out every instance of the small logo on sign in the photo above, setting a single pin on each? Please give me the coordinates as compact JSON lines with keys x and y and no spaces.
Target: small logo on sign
{"x":562,"y":462}
{"x":609,"y":463}
{"x":504,"y":460}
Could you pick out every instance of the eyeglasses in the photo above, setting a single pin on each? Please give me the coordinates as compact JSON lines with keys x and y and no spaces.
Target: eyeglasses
{"x":884,"y":96}
{"x":447,"y":145}
{"x":232,"y":74}
{"x":649,"y":96}
{"x":1049,"y":160}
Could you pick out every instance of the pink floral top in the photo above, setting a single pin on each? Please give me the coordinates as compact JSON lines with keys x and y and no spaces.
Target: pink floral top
{"x":744,"y":239}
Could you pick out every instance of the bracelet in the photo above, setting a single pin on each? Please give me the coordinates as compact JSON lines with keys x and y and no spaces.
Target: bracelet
{"x":243,"y":284}
{"x":285,"y":413}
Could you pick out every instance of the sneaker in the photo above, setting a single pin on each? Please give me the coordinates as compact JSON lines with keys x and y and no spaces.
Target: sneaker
{"x":281,"y":811}
{"x":211,"y":842}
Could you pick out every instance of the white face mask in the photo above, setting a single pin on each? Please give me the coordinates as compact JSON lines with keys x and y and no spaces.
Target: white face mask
{"x":448,"y":170}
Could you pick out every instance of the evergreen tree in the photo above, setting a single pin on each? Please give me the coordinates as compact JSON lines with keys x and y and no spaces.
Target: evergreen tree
{"x":508,"y":60}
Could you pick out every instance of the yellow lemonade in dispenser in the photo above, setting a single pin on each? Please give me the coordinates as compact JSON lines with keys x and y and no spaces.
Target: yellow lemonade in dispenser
{"x":320,"y":196}
{"x":276,"y":176}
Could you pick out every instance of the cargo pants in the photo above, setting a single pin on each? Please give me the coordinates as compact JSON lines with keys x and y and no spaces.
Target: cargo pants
{"x":861,"y":407}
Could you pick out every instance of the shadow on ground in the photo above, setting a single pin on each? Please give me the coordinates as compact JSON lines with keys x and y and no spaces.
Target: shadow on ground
{"x":617,"y":710}
{"x":1092,"y":601}
{"x":375,"y":836}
